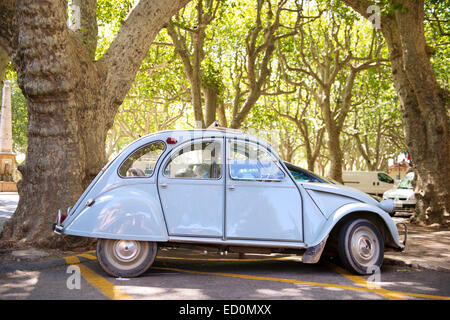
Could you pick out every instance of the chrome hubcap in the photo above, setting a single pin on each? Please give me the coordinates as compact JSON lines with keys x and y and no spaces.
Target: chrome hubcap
{"x":364,"y":246}
{"x":126,"y":250}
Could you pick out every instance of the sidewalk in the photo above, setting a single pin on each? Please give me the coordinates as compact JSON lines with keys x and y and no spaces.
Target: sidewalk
{"x":426,"y":247}
{"x":8,"y":204}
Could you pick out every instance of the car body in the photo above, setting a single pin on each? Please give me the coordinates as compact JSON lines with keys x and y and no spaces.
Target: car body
{"x":371,"y":182}
{"x":224,"y":189}
{"x":403,"y":195}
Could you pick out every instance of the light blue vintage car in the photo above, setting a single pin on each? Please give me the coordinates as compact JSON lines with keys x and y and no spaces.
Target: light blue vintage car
{"x":220,"y":188}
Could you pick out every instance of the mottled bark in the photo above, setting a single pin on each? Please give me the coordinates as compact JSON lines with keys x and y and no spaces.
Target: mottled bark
{"x":221,"y":114}
{"x":71,"y":102}
{"x":4,"y":61}
{"x":84,"y":23}
{"x":424,"y":105}
{"x":211,"y":99}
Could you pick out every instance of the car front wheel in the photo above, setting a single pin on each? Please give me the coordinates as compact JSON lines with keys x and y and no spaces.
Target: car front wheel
{"x":125,"y":258}
{"x":361,"y":246}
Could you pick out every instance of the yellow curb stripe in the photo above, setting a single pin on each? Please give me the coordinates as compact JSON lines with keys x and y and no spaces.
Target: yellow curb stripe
{"x":88,"y":256}
{"x":97,"y":281}
{"x":104,"y":286}
{"x":364,"y":283}
{"x":72,"y":260}
{"x":319,"y":284}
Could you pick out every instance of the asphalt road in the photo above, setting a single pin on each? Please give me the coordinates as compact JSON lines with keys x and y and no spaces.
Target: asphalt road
{"x":181,"y":274}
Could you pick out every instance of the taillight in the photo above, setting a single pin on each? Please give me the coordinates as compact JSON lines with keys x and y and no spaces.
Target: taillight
{"x":63,"y":217}
{"x":171,"y":140}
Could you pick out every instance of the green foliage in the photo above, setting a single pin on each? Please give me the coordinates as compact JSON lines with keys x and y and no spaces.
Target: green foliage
{"x":19,"y":118}
{"x":160,"y":96}
{"x":19,"y":114}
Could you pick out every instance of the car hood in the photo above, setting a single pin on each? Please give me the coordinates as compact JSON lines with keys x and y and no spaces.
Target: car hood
{"x":342,"y":191}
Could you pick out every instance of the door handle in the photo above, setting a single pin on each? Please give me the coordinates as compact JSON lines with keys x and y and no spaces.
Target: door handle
{"x":231,"y":188}
{"x":164,"y":185}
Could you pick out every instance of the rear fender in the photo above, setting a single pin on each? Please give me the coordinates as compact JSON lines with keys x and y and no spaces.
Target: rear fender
{"x":133,"y":213}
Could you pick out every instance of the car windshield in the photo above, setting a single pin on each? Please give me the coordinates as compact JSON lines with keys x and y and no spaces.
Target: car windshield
{"x":406,"y":183}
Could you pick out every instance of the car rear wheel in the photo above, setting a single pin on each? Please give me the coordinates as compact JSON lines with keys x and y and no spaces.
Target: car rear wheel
{"x":125,"y":258}
{"x":361,"y":246}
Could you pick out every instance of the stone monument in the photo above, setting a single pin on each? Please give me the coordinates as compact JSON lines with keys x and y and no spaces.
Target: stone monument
{"x":7,"y":157}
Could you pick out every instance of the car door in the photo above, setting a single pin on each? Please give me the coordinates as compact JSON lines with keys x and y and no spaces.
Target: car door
{"x":191,"y":186}
{"x":262,"y":202}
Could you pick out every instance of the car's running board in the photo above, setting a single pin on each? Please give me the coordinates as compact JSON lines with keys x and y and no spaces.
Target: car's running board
{"x":233,"y":242}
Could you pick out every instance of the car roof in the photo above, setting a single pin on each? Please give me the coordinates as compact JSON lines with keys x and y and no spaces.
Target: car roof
{"x":208,"y":133}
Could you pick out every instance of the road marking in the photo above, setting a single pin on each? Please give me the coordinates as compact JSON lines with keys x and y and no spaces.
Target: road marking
{"x":87,"y":256}
{"x":97,"y":281}
{"x":72,"y":260}
{"x":391,"y":295}
{"x":310,"y":283}
{"x":108,"y":289}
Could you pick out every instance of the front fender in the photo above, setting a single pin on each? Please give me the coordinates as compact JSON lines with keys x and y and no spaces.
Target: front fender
{"x":358,"y":207}
{"x":133,"y":213}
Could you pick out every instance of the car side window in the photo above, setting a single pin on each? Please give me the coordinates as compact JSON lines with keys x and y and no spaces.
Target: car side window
{"x":385,"y":178}
{"x":200,"y":160}
{"x":252,"y":162}
{"x":141,"y":163}
{"x":303,"y":177}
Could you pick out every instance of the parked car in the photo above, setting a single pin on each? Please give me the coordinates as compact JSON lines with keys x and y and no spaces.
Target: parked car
{"x":403,"y":194}
{"x":224,"y":189}
{"x":371,"y":182}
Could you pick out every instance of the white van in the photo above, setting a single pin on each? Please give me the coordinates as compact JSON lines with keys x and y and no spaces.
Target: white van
{"x":372,"y":182}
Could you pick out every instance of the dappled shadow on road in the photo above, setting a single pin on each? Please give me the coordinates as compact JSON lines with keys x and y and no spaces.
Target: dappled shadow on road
{"x":265,"y":280}
{"x":18,"y":285}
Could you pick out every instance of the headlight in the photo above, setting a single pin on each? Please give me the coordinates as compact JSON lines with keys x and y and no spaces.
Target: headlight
{"x":387,"y":205}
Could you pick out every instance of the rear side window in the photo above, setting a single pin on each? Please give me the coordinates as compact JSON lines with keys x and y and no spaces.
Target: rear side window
{"x":141,"y":163}
{"x":383,"y":177}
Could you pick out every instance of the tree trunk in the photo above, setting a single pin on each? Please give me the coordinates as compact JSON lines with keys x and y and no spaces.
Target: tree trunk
{"x":71,"y":102}
{"x":221,"y":114}
{"x":424,"y":105}
{"x":210,"y":105}
{"x":430,"y":150}
{"x":336,"y":158}
{"x":4,"y":61}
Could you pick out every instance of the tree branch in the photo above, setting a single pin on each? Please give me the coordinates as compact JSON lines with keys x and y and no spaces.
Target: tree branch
{"x":123,"y":58}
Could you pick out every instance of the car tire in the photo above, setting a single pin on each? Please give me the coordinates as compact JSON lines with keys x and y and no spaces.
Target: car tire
{"x":360,"y":246}
{"x":125,"y":258}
